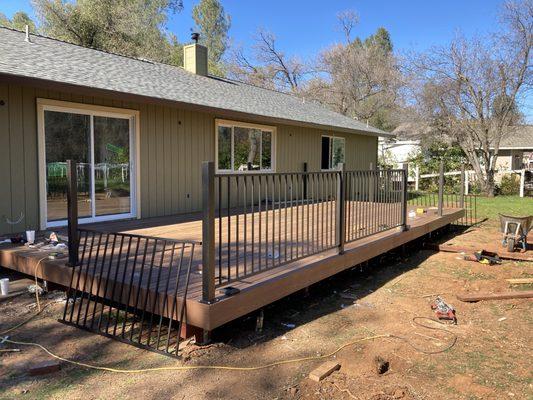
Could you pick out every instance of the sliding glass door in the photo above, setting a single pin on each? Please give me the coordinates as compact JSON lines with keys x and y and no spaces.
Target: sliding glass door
{"x":101,"y":146}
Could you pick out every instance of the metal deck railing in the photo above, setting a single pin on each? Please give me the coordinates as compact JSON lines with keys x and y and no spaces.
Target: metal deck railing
{"x":131,"y":288}
{"x":257,"y":221}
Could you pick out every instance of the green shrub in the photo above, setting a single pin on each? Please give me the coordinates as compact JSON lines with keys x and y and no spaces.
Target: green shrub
{"x":510,"y":185}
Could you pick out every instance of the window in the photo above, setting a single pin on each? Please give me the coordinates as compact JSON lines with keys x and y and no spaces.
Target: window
{"x":100,"y":140}
{"x":333,"y":149}
{"x":244,"y":147}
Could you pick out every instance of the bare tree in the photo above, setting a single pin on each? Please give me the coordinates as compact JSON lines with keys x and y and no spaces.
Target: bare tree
{"x":470,"y":90}
{"x":357,"y":79}
{"x":268,"y":66}
{"x":348,"y":19}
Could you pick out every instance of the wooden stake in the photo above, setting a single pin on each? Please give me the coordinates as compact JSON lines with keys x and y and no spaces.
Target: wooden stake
{"x":520,"y":281}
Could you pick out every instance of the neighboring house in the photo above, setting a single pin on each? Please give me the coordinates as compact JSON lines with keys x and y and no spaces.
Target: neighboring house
{"x":399,"y":148}
{"x":140,"y":131}
{"x":515,"y":153}
{"x":516,"y":150}
{"x":397,"y":151}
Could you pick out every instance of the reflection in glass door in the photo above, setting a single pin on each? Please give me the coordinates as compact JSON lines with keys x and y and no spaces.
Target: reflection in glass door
{"x":101,"y":146}
{"x":111,"y":165}
{"x":68,"y":136}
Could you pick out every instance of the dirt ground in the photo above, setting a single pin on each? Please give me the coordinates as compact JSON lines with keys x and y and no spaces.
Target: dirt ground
{"x":491,"y":357}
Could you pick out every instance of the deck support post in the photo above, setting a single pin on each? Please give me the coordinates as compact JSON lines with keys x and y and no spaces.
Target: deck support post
{"x":340,"y":209}
{"x":259,"y":321}
{"x":202,"y":337}
{"x":208,"y":232}
{"x":441,"y":188}
{"x":462,"y":188}
{"x":72,"y":213}
{"x":405,"y":169}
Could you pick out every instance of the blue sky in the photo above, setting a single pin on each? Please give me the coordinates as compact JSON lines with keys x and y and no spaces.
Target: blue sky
{"x":307,"y":26}
{"x":304,"y":27}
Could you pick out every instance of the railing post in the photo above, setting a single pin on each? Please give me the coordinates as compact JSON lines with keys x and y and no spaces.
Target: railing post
{"x":441,"y":188}
{"x":405,"y":169}
{"x":462,"y":188}
{"x":417,"y":178}
{"x":72,"y":213}
{"x":340,"y":209}
{"x":208,"y":232}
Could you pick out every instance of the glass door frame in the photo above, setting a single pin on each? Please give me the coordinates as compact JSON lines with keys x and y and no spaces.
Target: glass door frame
{"x":92,"y":111}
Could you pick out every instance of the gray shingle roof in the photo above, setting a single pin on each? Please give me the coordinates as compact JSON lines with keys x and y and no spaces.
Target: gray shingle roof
{"x":519,"y":137}
{"x":57,"y":61}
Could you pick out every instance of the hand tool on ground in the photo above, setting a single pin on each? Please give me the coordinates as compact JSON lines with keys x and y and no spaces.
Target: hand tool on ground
{"x":443,"y":310}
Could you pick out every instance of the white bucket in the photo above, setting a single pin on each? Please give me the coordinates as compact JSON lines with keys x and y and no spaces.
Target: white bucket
{"x":30,"y":237}
{"x":4,"y":286}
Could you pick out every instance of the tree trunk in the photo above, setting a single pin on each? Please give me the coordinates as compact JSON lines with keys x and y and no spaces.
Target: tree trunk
{"x":489,"y":183}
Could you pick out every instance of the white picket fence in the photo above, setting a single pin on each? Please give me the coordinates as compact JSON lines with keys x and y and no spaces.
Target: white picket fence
{"x":469,"y":177}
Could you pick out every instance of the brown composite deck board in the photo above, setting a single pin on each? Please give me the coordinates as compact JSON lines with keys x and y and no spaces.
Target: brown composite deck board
{"x":257,"y":290}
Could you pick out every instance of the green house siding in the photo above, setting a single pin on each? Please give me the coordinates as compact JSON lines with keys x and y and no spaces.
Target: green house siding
{"x":173,"y":143}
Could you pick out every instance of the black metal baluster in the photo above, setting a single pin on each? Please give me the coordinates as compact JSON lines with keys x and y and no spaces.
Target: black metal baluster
{"x":79,"y":273}
{"x":156,"y":293}
{"x":130,"y":286}
{"x":139,"y":285}
{"x":112,"y":298}
{"x":253,"y":221}
{"x":165,"y":299}
{"x":237,"y":239}
{"x":147,"y":292}
{"x":106,"y":282}
{"x":220,"y":241}
{"x":245,"y":212}
{"x":175,"y":299}
{"x":99,"y":280}
{"x":89,"y":293}
{"x":228,"y":205}
{"x":260,"y":255}
{"x":279,"y":219}
{"x":182,"y":314}
{"x":286,"y":214}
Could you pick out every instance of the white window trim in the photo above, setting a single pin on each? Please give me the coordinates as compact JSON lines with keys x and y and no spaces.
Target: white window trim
{"x":331,"y":149}
{"x":92,"y":110}
{"x":231,"y":124}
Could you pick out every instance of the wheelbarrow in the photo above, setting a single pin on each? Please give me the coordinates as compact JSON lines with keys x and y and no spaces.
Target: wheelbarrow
{"x":515,"y":230}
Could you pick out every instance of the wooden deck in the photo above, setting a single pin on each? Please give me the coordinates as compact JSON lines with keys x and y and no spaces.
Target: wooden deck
{"x":260,"y":289}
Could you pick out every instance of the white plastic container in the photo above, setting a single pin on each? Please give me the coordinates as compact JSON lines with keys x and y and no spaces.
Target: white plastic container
{"x":4,"y":286}
{"x":30,"y":237}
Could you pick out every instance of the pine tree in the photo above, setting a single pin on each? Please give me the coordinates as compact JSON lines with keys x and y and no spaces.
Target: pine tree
{"x":213,"y":24}
{"x":129,"y":27}
{"x":19,"y":21}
